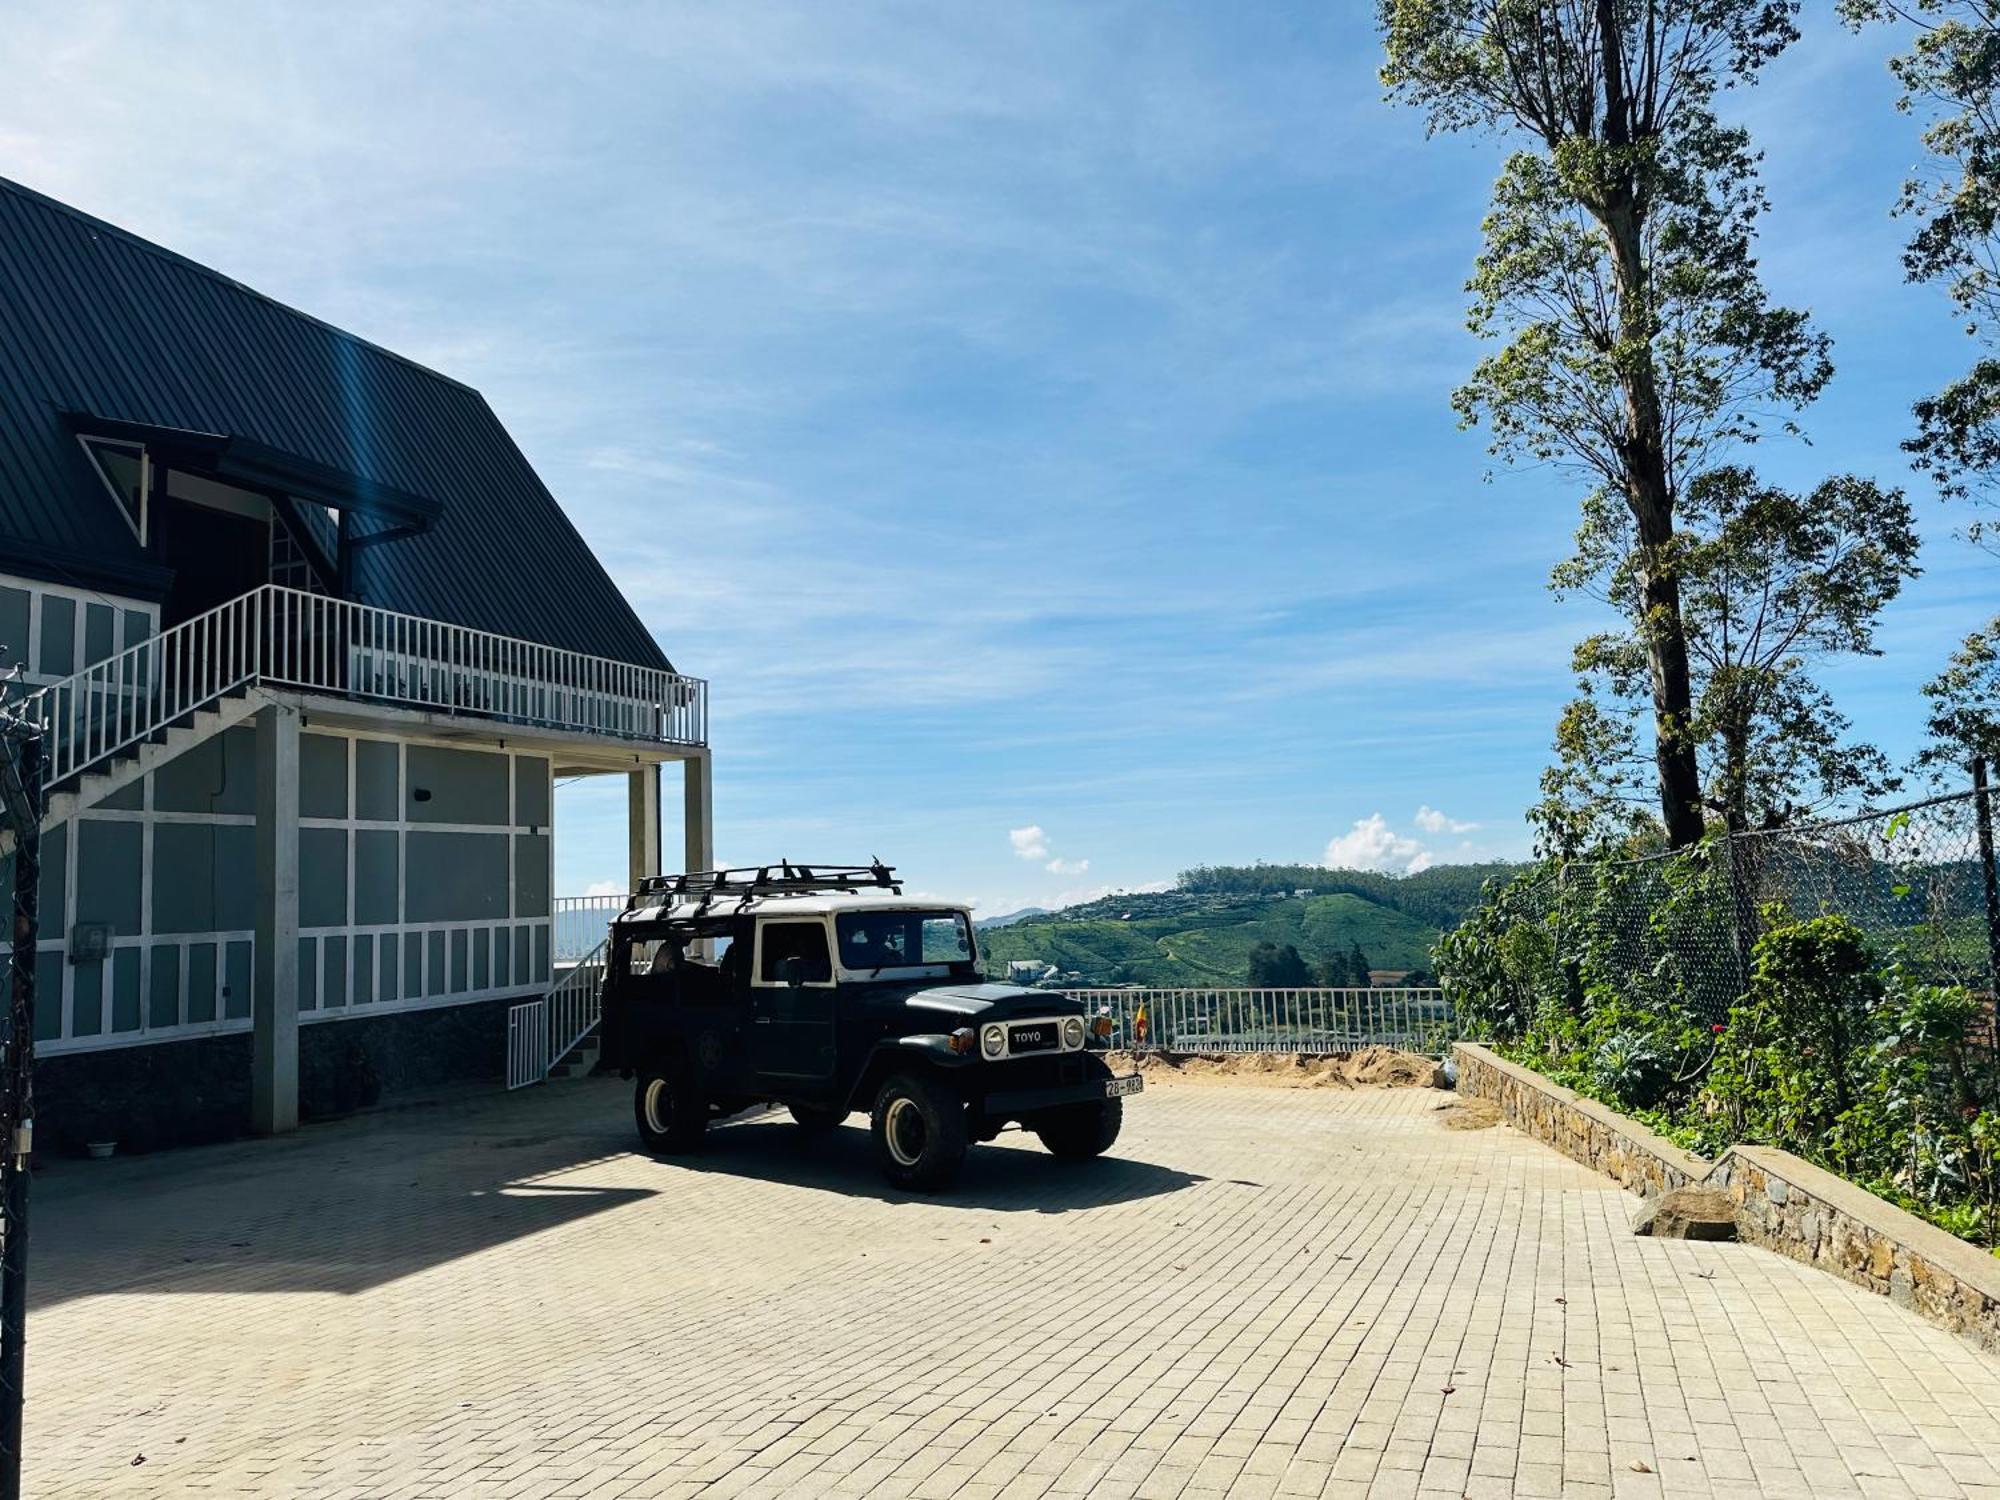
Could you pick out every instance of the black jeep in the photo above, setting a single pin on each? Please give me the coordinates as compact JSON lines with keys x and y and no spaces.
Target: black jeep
{"x":822,"y":988}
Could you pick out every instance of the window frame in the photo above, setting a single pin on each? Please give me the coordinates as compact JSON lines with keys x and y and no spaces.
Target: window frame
{"x":90,"y":443}
{"x":821,"y":924}
{"x":918,"y":968}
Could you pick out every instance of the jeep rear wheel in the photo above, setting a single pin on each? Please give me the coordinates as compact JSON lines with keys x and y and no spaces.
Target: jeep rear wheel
{"x":670,"y":1111}
{"x":1081,"y":1131}
{"x":919,"y":1126}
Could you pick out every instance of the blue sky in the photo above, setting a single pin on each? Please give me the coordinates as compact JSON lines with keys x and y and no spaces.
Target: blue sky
{"x":1032,"y":418}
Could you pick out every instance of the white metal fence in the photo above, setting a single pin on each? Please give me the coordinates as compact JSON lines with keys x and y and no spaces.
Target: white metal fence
{"x":290,"y":638}
{"x":527,"y":1043}
{"x":581,"y":922}
{"x":1262,"y":1020}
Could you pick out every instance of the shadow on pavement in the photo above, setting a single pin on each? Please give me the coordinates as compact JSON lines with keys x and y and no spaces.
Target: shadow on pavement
{"x":348,"y":1205}
{"x":339,"y":1207}
{"x":770,"y":1148}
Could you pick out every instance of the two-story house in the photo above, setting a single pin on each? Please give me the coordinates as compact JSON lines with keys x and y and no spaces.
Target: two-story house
{"x":312,"y":645}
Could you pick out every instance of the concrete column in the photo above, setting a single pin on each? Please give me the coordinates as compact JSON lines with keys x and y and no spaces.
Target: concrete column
{"x":698,"y":812}
{"x":642,"y":814}
{"x":274,"y":1005}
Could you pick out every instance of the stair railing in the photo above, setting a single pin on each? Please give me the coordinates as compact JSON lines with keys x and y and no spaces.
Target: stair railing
{"x":576,"y":1003}
{"x":146,"y":688}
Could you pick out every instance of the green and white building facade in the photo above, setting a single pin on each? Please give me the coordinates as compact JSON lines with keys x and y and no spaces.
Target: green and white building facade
{"x":312,"y":646}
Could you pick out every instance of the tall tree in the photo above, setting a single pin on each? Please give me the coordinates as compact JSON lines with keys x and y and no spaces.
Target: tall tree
{"x":1330,"y":970}
{"x":1637,"y":341}
{"x":1772,"y":584}
{"x":1950,"y":78}
{"x":1357,"y":964}
{"x":1278,"y":968}
{"x":1964,"y":699}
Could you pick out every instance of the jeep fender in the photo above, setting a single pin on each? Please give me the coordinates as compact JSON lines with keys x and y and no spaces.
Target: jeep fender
{"x":930,"y":1051}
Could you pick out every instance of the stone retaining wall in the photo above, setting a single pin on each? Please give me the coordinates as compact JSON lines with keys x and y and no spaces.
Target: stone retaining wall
{"x":1795,"y":1208}
{"x":1783,"y":1202}
{"x":1580,"y":1128}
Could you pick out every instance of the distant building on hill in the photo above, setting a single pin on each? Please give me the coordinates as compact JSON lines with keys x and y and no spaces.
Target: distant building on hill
{"x":1386,"y":979}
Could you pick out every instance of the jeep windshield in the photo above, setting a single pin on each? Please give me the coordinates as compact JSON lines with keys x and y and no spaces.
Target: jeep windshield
{"x":873,"y":941}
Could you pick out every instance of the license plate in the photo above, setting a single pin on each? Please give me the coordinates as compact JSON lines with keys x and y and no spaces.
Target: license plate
{"x":1040,"y":1038}
{"x":1115,"y":1088}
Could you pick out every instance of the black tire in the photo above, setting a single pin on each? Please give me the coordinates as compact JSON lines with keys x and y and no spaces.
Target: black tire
{"x":1081,"y":1131}
{"x":919,"y":1126}
{"x":816,"y":1120}
{"x":668,"y":1108}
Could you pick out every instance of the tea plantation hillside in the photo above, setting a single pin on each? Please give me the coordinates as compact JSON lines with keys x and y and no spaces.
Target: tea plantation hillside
{"x":1203,"y":931}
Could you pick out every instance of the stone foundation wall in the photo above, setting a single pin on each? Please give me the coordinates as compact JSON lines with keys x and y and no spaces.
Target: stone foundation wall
{"x":193,"y":1092}
{"x":185,"y":1093}
{"x":1783,"y":1202}
{"x":1580,"y":1128}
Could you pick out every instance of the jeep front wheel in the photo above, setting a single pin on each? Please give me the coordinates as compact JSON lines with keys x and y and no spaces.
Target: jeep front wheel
{"x":919,"y":1126}
{"x":670,"y":1111}
{"x":1081,"y":1131}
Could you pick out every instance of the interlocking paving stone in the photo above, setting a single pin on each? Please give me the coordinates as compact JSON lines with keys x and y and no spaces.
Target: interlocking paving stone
{"x":1265,"y":1292}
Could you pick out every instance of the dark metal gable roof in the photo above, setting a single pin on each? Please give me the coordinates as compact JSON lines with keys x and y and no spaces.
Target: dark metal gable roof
{"x":96,"y":320}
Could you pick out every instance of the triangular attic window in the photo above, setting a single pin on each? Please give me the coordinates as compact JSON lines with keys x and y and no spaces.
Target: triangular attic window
{"x":127,"y":473}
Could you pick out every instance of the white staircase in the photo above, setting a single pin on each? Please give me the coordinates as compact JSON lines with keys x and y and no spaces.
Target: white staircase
{"x":122,"y":717}
{"x":556,"y":1036}
{"x":108,"y":777}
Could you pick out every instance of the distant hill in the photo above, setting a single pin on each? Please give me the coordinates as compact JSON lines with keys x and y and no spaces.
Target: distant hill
{"x":1202,"y":931}
{"x":983,"y":923}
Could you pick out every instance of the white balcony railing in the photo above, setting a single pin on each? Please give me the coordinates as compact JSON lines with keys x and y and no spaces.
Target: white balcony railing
{"x":288,"y":638}
{"x":580,"y":923}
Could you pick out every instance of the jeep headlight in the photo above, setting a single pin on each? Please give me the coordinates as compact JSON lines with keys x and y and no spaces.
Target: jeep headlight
{"x":993,"y":1041}
{"x":1073,"y":1033}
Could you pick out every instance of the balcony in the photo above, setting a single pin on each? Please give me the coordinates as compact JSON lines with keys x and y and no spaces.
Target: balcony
{"x":295,"y":641}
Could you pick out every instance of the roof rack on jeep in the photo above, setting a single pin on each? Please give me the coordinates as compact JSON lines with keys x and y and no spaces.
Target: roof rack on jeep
{"x":750,"y":881}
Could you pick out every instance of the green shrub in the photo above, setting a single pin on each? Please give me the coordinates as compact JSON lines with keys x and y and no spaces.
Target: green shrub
{"x":1786,"y":1071}
{"x":1832,"y":1052}
{"x":1499,"y":968}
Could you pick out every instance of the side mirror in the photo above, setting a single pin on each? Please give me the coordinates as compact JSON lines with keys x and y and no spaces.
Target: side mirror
{"x":792,"y":971}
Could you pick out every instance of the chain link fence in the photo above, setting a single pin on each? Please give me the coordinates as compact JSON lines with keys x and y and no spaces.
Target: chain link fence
{"x":1918,"y":880}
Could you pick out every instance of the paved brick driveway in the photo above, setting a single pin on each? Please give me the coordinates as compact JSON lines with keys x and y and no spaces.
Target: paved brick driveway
{"x":1270,"y":1292}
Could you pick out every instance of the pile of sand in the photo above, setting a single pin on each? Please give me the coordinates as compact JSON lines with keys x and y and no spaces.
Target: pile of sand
{"x":1372,"y":1067}
{"x":1471,"y":1114}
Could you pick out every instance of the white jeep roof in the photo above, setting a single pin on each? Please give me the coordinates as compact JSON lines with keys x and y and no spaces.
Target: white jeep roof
{"x":790,"y":904}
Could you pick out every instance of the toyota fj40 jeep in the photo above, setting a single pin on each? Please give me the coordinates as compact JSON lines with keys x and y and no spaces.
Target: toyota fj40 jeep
{"x":824,"y":989}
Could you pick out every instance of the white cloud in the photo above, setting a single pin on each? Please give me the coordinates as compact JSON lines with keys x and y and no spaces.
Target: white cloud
{"x":606,"y":888}
{"x":1029,"y":842}
{"x":1373,"y":845}
{"x":1033,"y":843}
{"x":1432,"y":821}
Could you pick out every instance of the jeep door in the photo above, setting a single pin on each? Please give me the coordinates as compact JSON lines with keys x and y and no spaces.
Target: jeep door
{"x":792,"y":1024}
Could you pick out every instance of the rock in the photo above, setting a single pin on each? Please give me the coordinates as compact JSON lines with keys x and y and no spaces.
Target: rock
{"x":1881,"y":1259}
{"x":1775,"y":1190}
{"x":1688,"y":1213}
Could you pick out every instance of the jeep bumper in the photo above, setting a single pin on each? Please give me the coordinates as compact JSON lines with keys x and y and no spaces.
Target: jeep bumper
{"x":1013,"y":1103}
